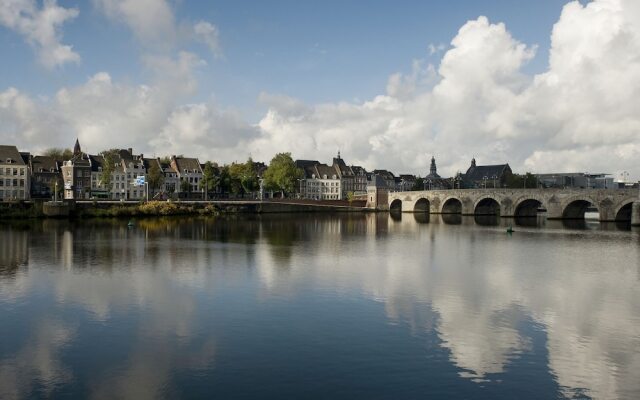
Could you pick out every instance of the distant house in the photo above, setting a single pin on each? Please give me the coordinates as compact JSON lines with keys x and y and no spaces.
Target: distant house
{"x":45,"y":171}
{"x":14,"y":175}
{"x":76,"y":175}
{"x":188,"y":170}
{"x":486,"y":176}
{"x":388,"y":177}
{"x":405,"y":182}
{"x":330,"y":182}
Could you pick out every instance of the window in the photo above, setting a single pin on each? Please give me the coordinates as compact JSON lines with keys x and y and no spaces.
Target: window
{"x":21,"y":171}
{"x":15,"y":171}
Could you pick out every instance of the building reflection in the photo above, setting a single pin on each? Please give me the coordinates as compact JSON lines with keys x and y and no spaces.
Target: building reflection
{"x":476,"y":290}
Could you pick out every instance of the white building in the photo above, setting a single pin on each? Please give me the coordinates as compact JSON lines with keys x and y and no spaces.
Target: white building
{"x":14,"y":175}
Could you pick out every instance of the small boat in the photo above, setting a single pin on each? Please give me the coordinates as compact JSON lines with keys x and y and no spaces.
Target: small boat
{"x":131,"y":224}
{"x":510,"y":229}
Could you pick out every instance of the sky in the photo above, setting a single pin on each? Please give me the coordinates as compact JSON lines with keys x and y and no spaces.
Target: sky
{"x":547,"y":86}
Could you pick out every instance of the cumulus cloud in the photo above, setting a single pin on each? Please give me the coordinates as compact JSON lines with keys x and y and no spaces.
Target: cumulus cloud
{"x":40,"y":27}
{"x":154,"y":24}
{"x":152,"y":21}
{"x":580,"y":113}
{"x":208,"y":34}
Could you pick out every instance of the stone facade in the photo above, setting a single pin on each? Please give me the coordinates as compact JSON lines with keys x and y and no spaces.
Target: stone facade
{"x":613,"y":205}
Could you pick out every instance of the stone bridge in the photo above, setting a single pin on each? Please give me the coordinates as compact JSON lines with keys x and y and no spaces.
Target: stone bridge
{"x":612,"y":204}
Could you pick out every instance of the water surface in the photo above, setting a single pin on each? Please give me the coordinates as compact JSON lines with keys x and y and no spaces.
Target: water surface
{"x":362,"y":306}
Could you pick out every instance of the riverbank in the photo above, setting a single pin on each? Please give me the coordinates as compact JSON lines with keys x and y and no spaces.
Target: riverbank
{"x":109,"y":209}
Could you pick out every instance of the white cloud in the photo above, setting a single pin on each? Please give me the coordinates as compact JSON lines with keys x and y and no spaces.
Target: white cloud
{"x":208,"y":34}
{"x":579,"y":114}
{"x":152,"y":21}
{"x":40,"y":26}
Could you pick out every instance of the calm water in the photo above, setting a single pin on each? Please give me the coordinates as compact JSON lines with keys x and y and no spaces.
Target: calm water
{"x":365,"y":306}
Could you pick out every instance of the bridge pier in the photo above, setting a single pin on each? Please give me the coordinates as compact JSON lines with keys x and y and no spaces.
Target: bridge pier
{"x":635,"y":213}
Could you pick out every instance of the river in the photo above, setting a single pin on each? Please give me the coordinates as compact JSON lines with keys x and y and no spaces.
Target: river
{"x":368,"y":306}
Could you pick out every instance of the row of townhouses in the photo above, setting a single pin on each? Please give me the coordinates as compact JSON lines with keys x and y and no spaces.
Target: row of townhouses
{"x":24,"y":176}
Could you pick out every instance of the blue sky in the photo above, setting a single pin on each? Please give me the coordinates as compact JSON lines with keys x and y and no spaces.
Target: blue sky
{"x":316,"y":51}
{"x":546,"y":86}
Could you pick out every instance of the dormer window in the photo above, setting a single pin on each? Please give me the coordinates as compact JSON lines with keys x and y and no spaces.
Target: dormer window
{"x":9,"y":161}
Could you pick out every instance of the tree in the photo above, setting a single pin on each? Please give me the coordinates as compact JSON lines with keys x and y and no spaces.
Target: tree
{"x":58,"y":153}
{"x":243,"y":177}
{"x":282,"y":174}
{"x":516,"y":181}
{"x":210,"y":177}
{"x":155,"y":177}
{"x":111,"y":160}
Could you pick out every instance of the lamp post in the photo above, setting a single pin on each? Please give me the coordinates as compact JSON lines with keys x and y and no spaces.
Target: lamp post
{"x":484,"y":181}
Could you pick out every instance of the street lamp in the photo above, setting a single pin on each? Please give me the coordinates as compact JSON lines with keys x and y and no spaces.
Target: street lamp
{"x":494,"y":180}
{"x":484,"y":181}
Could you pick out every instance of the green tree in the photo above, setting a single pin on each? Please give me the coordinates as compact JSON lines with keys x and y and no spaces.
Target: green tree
{"x":282,"y":174}
{"x":517,"y":181}
{"x":244,"y":178}
{"x":155,"y":177}
{"x":111,"y":160}
{"x":210,"y":177}
{"x":59,"y":154}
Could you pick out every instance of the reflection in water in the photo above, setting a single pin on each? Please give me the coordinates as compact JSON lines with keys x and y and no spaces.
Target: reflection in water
{"x":452,"y":219}
{"x":487,"y":220}
{"x":182,"y":306}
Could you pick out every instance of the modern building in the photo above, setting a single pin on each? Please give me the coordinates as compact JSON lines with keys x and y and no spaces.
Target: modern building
{"x":14,"y":175}
{"x":577,"y":180}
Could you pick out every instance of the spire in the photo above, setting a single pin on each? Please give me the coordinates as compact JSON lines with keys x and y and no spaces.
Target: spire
{"x":338,"y":154}
{"x":473,"y":162}
{"x":76,"y":148}
{"x":433,"y":170}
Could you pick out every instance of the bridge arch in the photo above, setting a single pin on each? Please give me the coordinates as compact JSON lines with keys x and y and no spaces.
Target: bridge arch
{"x":623,"y":211}
{"x":451,"y":205}
{"x":487,"y":205}
{"x":396,"y":205}
{"x":422,"y":205}
{"x":527,"y":207}
{"x":576,"y":207}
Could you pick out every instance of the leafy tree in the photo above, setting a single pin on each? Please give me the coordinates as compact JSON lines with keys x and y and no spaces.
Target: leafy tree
{"x":225,"y":179}
{"x":155,"y":177}
{"x":58,"y":153}
{"x":109,"y":165}
{"x":517,"y":181}
{"x":210,"y":177}
{"x":282,"y":174}
{"x":243,"y":177}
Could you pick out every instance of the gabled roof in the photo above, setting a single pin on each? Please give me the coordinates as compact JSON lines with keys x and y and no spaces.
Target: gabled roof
{"x":191,"y":164}
{"x":384,"y":174}
{"x":43,"y":164}
{"x":477,"y":173}
{"x":324,"y":169}
{"x":10,"y":153}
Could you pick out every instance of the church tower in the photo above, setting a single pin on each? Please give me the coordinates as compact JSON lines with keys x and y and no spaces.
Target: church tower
{"x":433,"y":170}
{"x":76,"y":148}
